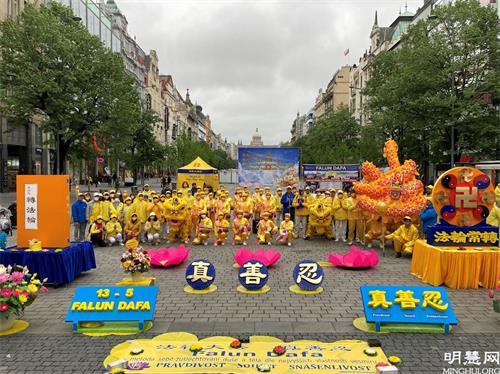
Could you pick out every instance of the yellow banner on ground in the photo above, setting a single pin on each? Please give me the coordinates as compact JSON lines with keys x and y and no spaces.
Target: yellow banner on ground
{"x":171,"y":353}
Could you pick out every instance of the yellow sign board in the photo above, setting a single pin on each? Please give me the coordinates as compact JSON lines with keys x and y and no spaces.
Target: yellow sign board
{"x":172,"y":353}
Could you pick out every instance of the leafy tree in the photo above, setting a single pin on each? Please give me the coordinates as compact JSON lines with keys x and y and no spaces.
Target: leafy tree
{"x":444,"y":77}
{"x":185,"y":150}
{"x":51,"y":68}
{"x":333,"y":139}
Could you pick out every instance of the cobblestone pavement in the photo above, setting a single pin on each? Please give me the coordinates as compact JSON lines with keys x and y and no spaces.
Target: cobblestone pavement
{"x":49,"y":346}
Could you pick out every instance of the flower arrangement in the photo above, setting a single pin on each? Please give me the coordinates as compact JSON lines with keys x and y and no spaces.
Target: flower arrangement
{"x":18,"y":290}
{"x":135,"y":259}
{"x":235,"y":344}
{"x":279,"y":350}
{"x":491,"y":294}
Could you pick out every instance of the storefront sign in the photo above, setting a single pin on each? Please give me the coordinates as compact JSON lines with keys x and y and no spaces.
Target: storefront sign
{"x":407,"y":304}
{"x":175,"y":353}
{"x":31,"y":206}
{"x":112,"y":304}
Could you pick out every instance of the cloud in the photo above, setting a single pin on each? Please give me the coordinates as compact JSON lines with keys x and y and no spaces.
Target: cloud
{"x":255,"y":63}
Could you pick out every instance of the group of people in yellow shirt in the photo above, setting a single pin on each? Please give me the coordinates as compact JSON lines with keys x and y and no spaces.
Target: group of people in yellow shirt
{"x":273,"y":215}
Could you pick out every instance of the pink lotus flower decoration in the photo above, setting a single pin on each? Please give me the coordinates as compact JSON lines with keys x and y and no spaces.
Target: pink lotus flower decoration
{"x":168,"y":256}
{"x":356,"y":258}
{"x":267,"y":256}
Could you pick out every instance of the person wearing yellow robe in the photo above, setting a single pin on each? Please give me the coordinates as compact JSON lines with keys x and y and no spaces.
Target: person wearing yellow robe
{"x":128,"y":209}
{"x":152,"y":228}
{"x":95,"y":207}
{"x":116,"y":209}
{"x":106,"y":207}
{"x":354,"y":219}
{"x":205,"y":227}
{"x":97,"y":232}
{"x":222,"y":205}
{"x":266,"y":229}
{"x":221,"y":228}
{"x":404,"y":237}
{"x":245,"y":205}
{"x":210,"y":202}
{"x":286,"y":233}
{"x":197,"y":207}
{"x":301,"y":213}
{"x":377,"y":230}
{"x":494,"y":216}
{"x":497,"y":194}
{"x":132,"y":227}
{"x":114,"y":231}
{"x":340,"y":214}
{"x":268,"y":204}
{"x":141,"y":208}
{"x":279,"y":206}
{"x":241,"y":228}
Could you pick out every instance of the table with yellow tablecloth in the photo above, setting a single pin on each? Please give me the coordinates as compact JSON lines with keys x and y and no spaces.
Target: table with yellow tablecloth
{"x":469,"y":268}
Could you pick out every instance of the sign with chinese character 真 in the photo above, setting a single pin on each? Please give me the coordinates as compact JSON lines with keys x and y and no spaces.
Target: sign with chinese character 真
{"x":31,"y":206}
{"x":407,"y":305}
{"x":112,"y":304}
{"x":253,"y":275}
{"x":463,"y":197}
{"x":308,"y":275}
{"x":171,"y":353}
{"x":200,"y":274}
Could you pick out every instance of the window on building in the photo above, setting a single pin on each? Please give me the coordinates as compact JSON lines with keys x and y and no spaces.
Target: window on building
{"x":148,"y":101}
{"x":38,"y":136}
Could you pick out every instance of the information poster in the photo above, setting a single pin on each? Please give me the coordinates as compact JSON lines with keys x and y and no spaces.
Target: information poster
{"x":327,"y":176}
{"x":275,"y":167}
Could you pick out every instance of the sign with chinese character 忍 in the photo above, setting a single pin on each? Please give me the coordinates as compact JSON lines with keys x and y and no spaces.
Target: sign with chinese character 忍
{"x":407,"y":304}
{"x":112,"y":304}
{"x":463,"y":198}
{"x":200,"y":274}
{"x":253,"y":275}
{"x":308,"y":275}
{"x":31,"y":206}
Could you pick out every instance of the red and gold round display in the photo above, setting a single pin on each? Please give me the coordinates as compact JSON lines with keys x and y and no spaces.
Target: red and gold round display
{"x":463,"y":196}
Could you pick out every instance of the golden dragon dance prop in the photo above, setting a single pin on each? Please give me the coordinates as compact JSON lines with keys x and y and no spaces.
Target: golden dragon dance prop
{"x":395,"y":193}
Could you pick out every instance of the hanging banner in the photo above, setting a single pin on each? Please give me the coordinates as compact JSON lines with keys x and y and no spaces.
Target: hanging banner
{"x":326,"y":176}
{"x":184,"y":353}
{"x":276,"y":167}
{"x":31,"y":206}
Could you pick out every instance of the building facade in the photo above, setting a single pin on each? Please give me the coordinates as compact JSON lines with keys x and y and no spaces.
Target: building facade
{"x":154,"y":100}
{"x":381,"y":39}
{"x":134,"y":57}
{"x":25,"y":149}
{"x":298,"y":127}
{"x":335,"y":95}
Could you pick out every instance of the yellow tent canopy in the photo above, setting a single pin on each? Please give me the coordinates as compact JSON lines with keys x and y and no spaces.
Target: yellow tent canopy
{"x":199,"y":172}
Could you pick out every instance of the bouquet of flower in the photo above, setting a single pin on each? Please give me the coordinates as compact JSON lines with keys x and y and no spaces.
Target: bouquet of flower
{"x":135,"y":259}
{"x":18,"y":290}
{"x":491,"y":294}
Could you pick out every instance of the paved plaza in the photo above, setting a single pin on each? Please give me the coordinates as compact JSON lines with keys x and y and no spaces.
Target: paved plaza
{"x":49,"y":345}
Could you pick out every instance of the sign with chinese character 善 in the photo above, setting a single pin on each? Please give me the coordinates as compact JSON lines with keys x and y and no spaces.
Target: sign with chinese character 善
{"x":31,"y":206}
{"x":463,"y":198}
{"x":384,"y":305}
{"x":112,"y":304}
{"x":184,"y":353}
